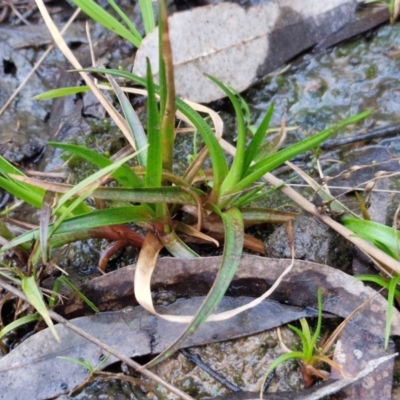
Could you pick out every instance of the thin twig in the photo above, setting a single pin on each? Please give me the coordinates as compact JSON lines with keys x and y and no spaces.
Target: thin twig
{"x":379,"y":133}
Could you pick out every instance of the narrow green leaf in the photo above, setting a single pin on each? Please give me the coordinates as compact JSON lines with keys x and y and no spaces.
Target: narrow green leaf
{"x":258,"y":138}
{"x":146,"y":9}
{"x":317,"y":332}
{"x":45,"y":214}
{"x":61,"y":92}
{"x":10,"y":277}
{"x":389,"y":315}
{"x":19,"y":322}
{"x":305,"y":339}
{"x":124,"y":175}
{"x":7,"y":168}
{"x":234,"y":229}
{"x":63,"y":280}
{"x":154,"y":167}
{"x":218,"y":160}
{"x":23,"y":191}
{"x":177,"y":247}
{"x":162,"y":88}
{"x":173,"y":194}
{"x":71,"y":206}
{"x":293,"y":355}
{"x":32,"y":196}
{"x":125,"y":18}
{"x":236,"y":171}
{"x":5,"y":232}
{"x":26,"y":193}
{"x":380,"y":235}
{"x":258,"y":170}
{"x":134,"y":124}
{"x":34,"y":295}
{"x":85,"y":364}
{"x":101,"y":16}
{"x":379,"y":280}
{"x":84,"y":222}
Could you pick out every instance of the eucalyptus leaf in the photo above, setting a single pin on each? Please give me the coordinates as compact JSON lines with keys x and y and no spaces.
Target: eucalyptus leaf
{"x":240,"y":45}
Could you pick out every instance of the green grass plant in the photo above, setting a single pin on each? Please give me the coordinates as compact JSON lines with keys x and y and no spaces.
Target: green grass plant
{"x":87,"y":364}
{"x":150,"y":194}
{"x":311,"y":355}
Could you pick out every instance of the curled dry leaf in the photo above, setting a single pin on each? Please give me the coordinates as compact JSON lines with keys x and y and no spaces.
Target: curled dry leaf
{"x":342,"y":293}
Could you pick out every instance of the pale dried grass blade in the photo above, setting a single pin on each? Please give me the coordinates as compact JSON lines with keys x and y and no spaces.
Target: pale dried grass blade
{"x":335,"y":205}
{"x":396,"y":11}
{"x":38,"y":63}
{"x":282,"y":345}
{"x":144,"y":270}
{"x":216,"y":119}
{"x":189,"y":230}
{"x":332,"y":338}
{"x":62,"y":45}
{"x":50,"y":186}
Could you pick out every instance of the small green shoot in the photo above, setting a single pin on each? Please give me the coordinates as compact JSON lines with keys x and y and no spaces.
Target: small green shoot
{"x":86,"y":364}
{"x":62,"y":280}
{"x":19,"y":322}
{"x":32,"y":291}
{"x":311,"y":356}
{"x":390,"y":284}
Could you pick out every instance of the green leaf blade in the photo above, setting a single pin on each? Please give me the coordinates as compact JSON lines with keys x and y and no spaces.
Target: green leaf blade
{"x":101,"y":16}
{"x":34,"y":295}
{"x":233,"y":226}
{"x":153,"y":175}
{"x":124,"y":175}
{"x":258,"y":138}
{"x":236,"y":171}
{"x":259,"y":169}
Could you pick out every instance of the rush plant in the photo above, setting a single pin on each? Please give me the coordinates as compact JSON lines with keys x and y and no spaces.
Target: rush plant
{"x":151,"y":195}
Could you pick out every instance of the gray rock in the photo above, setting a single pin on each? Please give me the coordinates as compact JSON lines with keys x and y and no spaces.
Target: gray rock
{"x":313,"y":242}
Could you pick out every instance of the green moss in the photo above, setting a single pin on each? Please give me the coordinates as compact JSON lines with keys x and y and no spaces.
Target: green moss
{"x":280,"y":81}
{"x":371,"y":72}
{"x":238,"y":381}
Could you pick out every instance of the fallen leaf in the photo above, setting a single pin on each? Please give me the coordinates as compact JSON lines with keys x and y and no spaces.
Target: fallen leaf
{"x":33,"y":371}
{"x":355,"y":348}
{"x":240,"y":45}
{"x":342,"y":293}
